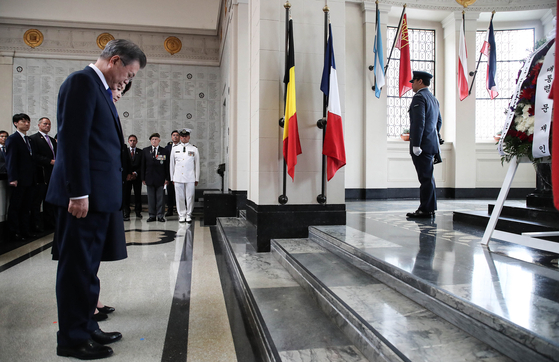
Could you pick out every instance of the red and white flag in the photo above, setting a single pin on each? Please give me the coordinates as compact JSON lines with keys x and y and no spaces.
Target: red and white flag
{"x":403,"y":43}
{"x":462,"y":64}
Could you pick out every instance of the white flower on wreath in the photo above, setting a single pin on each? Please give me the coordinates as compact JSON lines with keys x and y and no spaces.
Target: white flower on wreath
{"x":525,"y":122}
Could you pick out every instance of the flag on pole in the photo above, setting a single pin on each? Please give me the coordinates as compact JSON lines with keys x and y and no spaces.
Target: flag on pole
{"x":403,"y":44}
{"x":379,"y":59}
{"x":462,"y":64}
{"x":490,"y":51}
{"x":291,"y":142}
{"x":333,"y":148}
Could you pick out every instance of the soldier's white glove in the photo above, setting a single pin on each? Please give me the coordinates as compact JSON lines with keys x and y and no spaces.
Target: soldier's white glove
{"x":417,"y":150}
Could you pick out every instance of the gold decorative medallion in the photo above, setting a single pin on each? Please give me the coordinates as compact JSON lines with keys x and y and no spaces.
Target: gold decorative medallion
{"x":466,"y":3}
{"x":33,"y":38}
{"x":173,"y":45}
{"x":103,"y":39}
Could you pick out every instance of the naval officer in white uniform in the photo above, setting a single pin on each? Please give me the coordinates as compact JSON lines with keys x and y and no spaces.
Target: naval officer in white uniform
{"x":185,"y":174}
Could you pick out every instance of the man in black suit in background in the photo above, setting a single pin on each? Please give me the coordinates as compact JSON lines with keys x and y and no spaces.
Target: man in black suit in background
{"x":133,"y":180}
{"x":155,"y":175}
{"x":86,"y":187}
{"x":425,"y":125}
{"x":171,"y":201}
{"x":3,"y":171}
{"x":44,"y":156}
{"x":21,"y":178}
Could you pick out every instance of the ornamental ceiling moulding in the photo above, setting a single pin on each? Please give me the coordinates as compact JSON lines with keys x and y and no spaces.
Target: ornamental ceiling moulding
{"x":480,"y":5}
{"x":33,"y":38}
{"x":103,"y":39}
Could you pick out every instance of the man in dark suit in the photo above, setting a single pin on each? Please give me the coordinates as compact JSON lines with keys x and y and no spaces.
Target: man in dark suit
{"x":21,"y":178}
{"x":44,"y":156}
{"x":155,"y":175}
{"x":171,"y":201}
{"x":133,"y":179}
{"x":425,"y":125}
{"x":86,"y":186}
{"x":3,"y":171}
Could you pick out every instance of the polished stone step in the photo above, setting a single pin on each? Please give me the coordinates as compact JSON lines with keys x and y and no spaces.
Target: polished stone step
{"x":281,"y":318}
{"x":383,"y":323}
{"x":510,"y":339}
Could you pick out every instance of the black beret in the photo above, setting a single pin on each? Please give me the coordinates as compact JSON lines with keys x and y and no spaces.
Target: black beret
{"x":154,"y":135}
{"x":418,"y":74}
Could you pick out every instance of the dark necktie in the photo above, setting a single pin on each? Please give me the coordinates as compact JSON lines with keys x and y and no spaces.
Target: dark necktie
{"x":50,"y":145}
{"x":110,"y":93}
{"x":132,"y":154}
{"x":4,"y":149}
{"x":28,"y":144}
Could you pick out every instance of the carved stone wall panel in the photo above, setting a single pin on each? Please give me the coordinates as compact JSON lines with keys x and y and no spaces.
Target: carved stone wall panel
{"x":157,"y":102}
{"x":82,"y":44}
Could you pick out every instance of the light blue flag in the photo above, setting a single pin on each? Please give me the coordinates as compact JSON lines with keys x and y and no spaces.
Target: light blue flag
{"x":379,"y":59}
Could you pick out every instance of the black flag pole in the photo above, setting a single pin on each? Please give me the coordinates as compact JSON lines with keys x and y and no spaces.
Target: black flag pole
{"x":474,"y":73}
{"x":282,"y":199}
{"x":396,"y":37}
{"x":321,"y":199}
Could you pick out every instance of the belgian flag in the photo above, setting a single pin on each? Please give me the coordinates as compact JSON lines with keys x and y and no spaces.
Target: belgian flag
{"x":291,"y":143}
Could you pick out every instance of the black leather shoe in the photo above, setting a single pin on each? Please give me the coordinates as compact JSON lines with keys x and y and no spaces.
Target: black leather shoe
{"x":106,"y":309}
{"x":150,"y":219}
{"x":418,"y":214}
{"x":18,"y":237}
{"x":138,"y":215}
{"x":98,"y":317}
{"x":162,"y":219}
{"x":126,"y":218}
{"x":169,"y":213}
{"x":105,"y":338}
{"x":87,"y":350}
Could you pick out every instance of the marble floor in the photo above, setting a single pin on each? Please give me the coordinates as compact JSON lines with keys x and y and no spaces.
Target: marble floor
{"x":171,"y":297}
{"x":167,"y":294}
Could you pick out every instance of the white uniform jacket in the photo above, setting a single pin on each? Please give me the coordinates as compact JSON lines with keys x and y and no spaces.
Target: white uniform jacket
{"x":184,"y":163}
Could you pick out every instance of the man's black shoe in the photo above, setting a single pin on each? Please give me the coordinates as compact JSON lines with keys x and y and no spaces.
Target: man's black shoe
{"x":18,"y":237}
{"x":98,"y":317}
{"x":105,"y":338}
{"x":162,"y":219}
{"x":88,"y":350}
{"x":126,"y":218}
{"x":169,"y":213}
{"x":418,"y":214}
{"x":150,"y":219}
{"x":138,"y":215}
{"x":106,"y":309}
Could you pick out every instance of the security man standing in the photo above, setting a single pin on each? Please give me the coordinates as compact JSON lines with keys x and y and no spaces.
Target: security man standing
{"x":185,"y":174}
{"x":425,"y":125}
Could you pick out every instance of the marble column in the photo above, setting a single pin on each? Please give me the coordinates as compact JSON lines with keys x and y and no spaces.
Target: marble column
{"x":460,"y":116}
{"x":269,"y":219}
{"x":375,"y":115}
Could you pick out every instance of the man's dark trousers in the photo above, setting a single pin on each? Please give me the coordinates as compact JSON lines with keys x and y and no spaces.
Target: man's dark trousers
{"x":427,"y":194}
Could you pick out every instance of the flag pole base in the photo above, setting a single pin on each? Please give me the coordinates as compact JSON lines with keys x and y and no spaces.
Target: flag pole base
{"x":282,"y":199}
{"x":321,"y":199}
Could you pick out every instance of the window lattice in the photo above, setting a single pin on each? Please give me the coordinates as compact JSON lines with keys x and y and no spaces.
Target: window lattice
{"x":422,"y":55}
{"x":513,"y":46}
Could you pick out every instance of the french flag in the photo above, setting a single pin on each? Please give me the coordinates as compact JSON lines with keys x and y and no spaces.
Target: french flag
{"x":490,"y":52}
{"x":333,"y":148}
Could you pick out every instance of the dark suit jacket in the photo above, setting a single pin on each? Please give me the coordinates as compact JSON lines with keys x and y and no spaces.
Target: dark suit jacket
{"x":90,"y":147}
{"x":3,"y":169}
{"x":425,"y":122}
{"x":155,"y":171}
{"x":136,"y":162}
{"x":42,"y":155}
{"x":19,"y":161}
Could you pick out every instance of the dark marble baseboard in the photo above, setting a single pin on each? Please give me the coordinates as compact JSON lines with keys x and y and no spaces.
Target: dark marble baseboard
{"x":266,"y":222}
{"x":442,"y":193}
